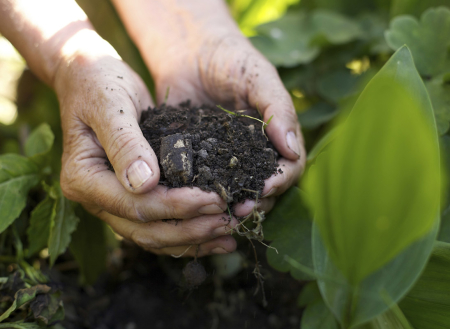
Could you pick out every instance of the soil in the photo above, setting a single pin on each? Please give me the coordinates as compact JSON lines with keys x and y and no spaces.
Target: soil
{"x":211,"y":149}
{"x":142,"y":290}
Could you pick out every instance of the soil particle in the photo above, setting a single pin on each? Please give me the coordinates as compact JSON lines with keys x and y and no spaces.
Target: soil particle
{"x":211,"y":149}
{"x":194,"y":274}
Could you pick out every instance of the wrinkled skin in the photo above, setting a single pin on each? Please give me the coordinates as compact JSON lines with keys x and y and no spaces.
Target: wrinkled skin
{"x":192,"y":46}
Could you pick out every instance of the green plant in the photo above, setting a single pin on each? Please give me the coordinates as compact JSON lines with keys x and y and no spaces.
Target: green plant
{"x":372,"y":183}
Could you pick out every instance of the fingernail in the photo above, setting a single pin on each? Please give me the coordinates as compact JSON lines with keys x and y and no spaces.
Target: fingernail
{"x":271,"y":192}
{"x":219,"y":251}
{"x":210,"y":209}
{"x":138,"y":173}
{"x":292,"y":143}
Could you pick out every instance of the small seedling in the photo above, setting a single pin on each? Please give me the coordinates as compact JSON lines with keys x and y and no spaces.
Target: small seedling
{"x":264,"y":124}
{"x":166,"y":97}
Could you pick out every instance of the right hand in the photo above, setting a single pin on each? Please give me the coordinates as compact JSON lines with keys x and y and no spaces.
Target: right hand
{"x":101,"y":100}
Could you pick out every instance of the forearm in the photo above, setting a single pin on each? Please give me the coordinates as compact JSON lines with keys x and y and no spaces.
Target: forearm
{"x":162,"y":28}
{"x":45,"y":31}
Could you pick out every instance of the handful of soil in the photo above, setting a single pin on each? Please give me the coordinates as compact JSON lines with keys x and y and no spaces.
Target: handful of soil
{"x":211,"y":149}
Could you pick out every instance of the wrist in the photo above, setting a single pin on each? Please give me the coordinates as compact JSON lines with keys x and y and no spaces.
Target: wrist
{"x":78,"y":56}
{"x":164,"y":30}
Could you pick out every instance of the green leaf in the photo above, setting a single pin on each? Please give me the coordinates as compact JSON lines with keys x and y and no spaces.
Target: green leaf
{"x":310,"y":294}
{"x":427,"y":305}
{"x":391,"y":319}
{"x":17,"y":176}
{"x":337,"y":85}
{"x":289,"y":226}
{"x":21,"y":325}
{"x":252,"y":13}
{"x":317,"y":115}
{"x":428,"y":39}
{"x":297,"y":37}
{"x":357,"y":304}
{"x":40,"y":140}
{"x":89,"y":246}
{"x":318,"y":316}
{"x":64,"y":223}
{"x":40,"y":221}
{"x":23,"y":296}
{"x":439,"y":92}
{"x":381,"y":175}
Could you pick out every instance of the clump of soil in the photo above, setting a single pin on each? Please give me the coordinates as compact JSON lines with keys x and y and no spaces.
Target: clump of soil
{"x":194,"y":274}
{"x":211,"y":149}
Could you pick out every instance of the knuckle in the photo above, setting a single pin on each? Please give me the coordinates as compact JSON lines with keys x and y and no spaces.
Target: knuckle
{"x":122,"y":142}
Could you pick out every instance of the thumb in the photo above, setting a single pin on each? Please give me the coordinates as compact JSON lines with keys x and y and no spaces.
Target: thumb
{"x":117,"y":130}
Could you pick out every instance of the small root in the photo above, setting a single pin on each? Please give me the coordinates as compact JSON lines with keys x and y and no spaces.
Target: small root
{"x":184,"y":252}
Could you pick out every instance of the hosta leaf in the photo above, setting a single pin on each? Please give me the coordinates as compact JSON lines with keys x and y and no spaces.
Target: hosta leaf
{"x":89,"y":246}
{"x":428,"y":38}
{"x":381,"y":175}
{"x":40,"y":221}
{"x":427,"y":305}
{"x":64,"y":223}
{"x":17,"y":176}
{"x":289,"y":226}
{"x":357,"y":304}
{"x":296,"y":38}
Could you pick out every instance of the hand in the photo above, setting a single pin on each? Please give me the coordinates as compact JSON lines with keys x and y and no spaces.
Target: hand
{"x":201,"y":55}
{"x":101,"y":100}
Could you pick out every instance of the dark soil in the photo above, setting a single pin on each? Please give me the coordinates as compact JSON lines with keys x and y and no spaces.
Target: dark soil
{"x":142,"y":290}
{"x":211,"y":149}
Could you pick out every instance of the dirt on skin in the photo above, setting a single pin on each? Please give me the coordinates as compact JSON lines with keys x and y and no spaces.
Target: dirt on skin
{"x":211,"y":149}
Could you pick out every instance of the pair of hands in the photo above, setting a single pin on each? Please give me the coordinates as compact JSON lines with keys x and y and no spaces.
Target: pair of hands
{"x":93,"y":88}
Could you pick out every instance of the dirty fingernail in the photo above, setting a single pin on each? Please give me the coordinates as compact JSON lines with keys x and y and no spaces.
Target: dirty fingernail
{"x":210,"y":209}
{"x":219,"y":251}
{"x":138,"y":173}
{"x":292,"y":143}
{"x":271,"y":192}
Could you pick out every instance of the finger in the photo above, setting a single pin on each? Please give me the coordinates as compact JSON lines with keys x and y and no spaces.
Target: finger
{"x":159,"y":234}
{"x":117,"y":104}
{"x":218,"y":246}
{"x":86,"y":179}
{"x":267,"y":93}
{"x":245,"y":209}
{"x":278,"y":183}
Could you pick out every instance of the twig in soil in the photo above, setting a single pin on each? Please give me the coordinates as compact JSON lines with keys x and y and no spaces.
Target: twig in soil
{"x":184,"y":252}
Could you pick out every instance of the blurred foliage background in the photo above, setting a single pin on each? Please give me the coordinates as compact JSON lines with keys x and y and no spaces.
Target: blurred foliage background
{"x":326,"y":51}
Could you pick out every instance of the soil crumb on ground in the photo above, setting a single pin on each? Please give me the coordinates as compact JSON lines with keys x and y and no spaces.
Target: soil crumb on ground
{"x":211,"y":149}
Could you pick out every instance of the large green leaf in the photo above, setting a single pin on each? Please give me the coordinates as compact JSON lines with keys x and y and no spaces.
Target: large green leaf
{"x":381,"y":175}
{"x":17,"y":176}
{"x":428,"y":39}
{"x":355,"y":304}
{"x":427,"y":305}
{"x":63,"y":224}
{"x":297,"y":37}
{"x":289,"y":226}
{"x":40,"y":221}
{"x":89,"y":246}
